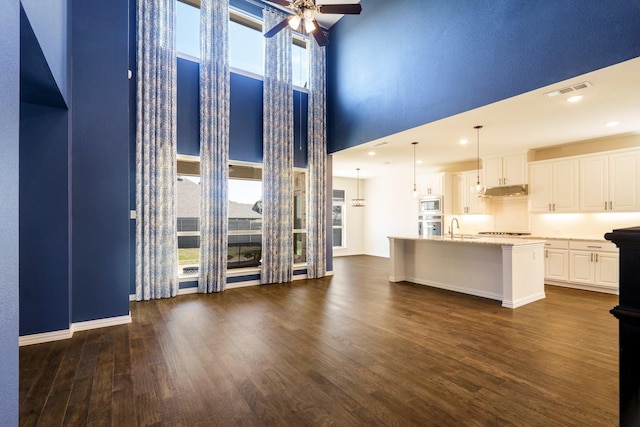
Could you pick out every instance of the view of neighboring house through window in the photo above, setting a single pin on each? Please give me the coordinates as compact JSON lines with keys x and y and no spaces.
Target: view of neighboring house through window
{"x":246,"y":42}
{"x":245,"y":217}
{"x":338,"y":218}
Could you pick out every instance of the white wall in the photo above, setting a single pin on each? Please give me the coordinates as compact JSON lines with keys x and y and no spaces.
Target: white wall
{"x":391,"y":211}
{"x":354,"y":217}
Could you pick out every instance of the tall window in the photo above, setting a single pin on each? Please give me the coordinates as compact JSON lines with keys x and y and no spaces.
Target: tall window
{"x":246,"y":42}
{"x":188,"y":29}
{"x":299,"y":217}
{"x":188,"y":212}
{"x":338,"y":211}
{"x":245,"y":217}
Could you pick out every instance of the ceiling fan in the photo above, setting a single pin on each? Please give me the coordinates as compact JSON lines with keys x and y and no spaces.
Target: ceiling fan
{"x":303,"y":16}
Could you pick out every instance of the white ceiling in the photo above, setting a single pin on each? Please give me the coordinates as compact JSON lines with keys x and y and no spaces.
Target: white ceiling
{"x":527,"y":121}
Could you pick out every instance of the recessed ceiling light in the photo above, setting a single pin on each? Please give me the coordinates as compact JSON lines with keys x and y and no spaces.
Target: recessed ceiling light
{"x":464,"y":141}
{"x":371,"y":153}
{"x":612,"y":124}
{"x":574,"y":98}
{"x":419,"y":162}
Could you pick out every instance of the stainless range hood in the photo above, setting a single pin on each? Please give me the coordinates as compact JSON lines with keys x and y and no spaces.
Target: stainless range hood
{"x":505,"y":191}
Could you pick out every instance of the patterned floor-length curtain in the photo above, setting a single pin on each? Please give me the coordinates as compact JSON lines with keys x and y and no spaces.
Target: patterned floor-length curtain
{"x":214,"y":144}
{"x":277,"y":176}
{"x":156,"y":239}
{"x":317,"y":187}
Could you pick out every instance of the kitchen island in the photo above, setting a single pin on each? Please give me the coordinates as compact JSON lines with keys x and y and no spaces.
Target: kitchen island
{"x":506,"y":269}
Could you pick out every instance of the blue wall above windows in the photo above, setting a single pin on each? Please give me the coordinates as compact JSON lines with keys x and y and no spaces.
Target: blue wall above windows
{"x":405,"y":63}
{"x":245,"y":123}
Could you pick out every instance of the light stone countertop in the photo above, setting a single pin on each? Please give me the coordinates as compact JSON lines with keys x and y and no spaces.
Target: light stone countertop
{"x":472,"y":238}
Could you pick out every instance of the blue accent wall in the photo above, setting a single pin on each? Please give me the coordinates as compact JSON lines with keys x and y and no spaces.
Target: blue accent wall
{"x":49,"y":22}
{"x":44,"y":219}
{"x":9,"y":208}
{"x":188,"y":127}
{"x":404,"y":63}
{"x":245,"y":123}
{"x":100,"y":159}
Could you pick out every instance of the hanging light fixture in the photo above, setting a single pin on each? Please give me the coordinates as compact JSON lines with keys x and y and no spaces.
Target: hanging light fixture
{"x":358,"y":202}
{"x":415,"y":189}
{"x":478,"y":186}
{"x":294,"y":22}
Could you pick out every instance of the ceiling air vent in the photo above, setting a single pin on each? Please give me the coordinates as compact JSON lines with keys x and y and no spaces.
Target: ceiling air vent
{"x":568,"y":89}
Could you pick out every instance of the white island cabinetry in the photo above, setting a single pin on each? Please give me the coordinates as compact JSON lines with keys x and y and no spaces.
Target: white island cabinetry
{"x":556,"y":260}
{"x":510,"y":270}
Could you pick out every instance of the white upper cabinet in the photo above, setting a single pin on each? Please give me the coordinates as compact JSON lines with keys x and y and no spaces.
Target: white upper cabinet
{"x":505,"y":170}
{"x":433,"y":184}
{"x":553,"y":186}
{"x":609,"y":183}
{"x":466,"y":199}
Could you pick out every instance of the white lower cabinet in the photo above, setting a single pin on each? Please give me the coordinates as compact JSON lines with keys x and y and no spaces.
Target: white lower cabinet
{"x":584,"y":264}
{"x":593,"y":263}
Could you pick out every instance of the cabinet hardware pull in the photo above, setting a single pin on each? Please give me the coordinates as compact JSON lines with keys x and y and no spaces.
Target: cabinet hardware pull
{"x":554,"y":207}
{"x":596,"y":257}
{"x":594,"y":247}
{"x":549,"y":207}
{"x":591,"y":256}
{"x":546,"y":254}
{"x":605,"y":205}
{"x":610,"y":205}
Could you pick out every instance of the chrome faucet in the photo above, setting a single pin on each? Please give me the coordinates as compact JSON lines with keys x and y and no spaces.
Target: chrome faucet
{"x":451,"y":226}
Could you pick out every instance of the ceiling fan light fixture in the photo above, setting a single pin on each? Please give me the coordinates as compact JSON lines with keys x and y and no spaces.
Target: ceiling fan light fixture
{"x":294,"y":22}
{"x":309,"y":26}
{"x":309,"y":14}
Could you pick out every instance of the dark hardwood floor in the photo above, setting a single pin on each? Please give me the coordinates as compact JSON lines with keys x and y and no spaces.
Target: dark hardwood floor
{"x":349,"y":350}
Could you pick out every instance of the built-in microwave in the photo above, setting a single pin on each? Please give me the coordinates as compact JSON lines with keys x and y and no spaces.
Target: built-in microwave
{"x":431,"y":205}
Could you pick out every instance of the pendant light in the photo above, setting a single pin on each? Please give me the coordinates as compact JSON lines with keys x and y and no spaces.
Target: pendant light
{"x":358,"y":202}
{"x":478,"y":186}
{"x":415,"y":190}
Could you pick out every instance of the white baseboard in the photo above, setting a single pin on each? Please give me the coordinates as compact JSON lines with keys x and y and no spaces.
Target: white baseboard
{"x":68,"y":333}
{"x":45,"y":337}
{"x":101,"y":323}
{"x":186,"y":291}
{"x":523,"y":301}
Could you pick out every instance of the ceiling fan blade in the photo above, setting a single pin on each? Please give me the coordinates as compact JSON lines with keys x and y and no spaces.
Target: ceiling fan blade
{"x":280,"y":2}
{"x":272,"y":32}
{"x":346,"y":9}
{"x":318,"y":34}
